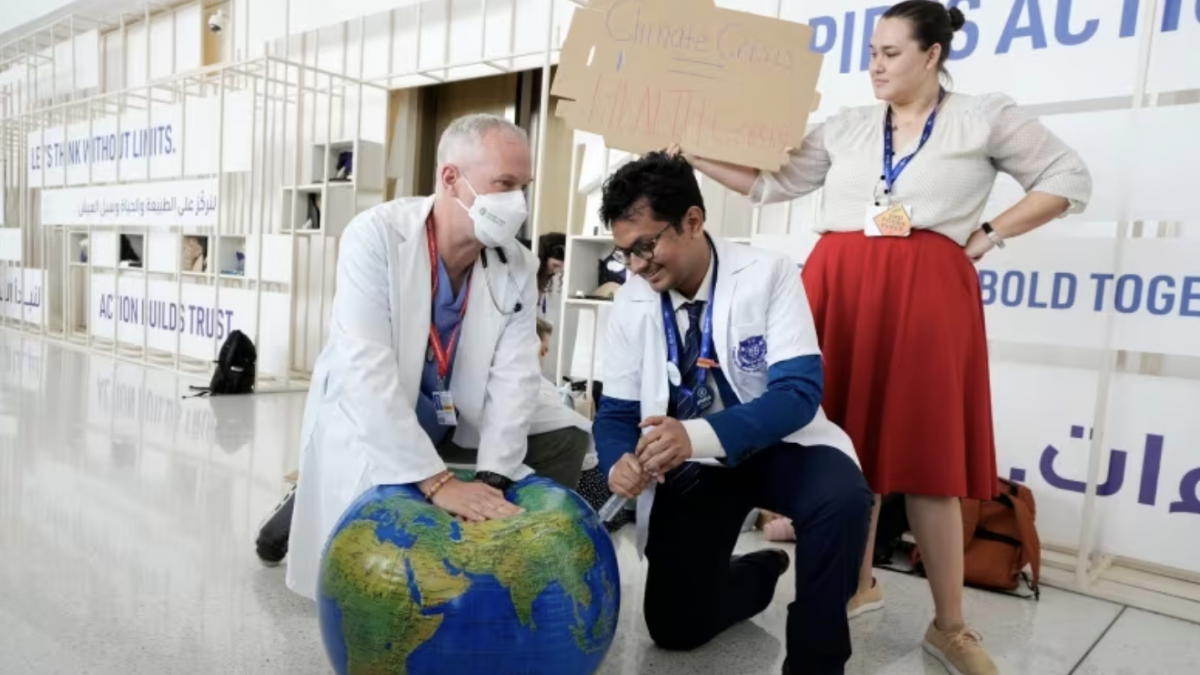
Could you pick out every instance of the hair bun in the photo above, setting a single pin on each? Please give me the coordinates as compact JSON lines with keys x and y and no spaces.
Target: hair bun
{"x":957,"y":19}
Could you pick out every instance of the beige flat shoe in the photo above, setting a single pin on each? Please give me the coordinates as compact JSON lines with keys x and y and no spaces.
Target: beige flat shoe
{"x":870,"y":600}
{"x":959,"y":651}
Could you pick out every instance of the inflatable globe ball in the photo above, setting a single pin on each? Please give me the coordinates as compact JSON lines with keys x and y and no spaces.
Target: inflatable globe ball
{"x":407,"y":589}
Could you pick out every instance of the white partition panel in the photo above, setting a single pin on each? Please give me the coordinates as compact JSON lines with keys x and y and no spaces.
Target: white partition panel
{"x":167,"y":216}
{"x":10,"y":245}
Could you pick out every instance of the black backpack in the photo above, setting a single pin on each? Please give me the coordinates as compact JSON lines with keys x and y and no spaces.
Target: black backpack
{"x":235,"y":370}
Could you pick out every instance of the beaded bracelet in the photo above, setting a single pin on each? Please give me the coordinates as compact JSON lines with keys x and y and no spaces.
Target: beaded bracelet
{"x":438,"y":485}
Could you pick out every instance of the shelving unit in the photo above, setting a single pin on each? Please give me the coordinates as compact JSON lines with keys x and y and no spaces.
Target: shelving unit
{"x":336,"y":203}
{"x":328,"y":160}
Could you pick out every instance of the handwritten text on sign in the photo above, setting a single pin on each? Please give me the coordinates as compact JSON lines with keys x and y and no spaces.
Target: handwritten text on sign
{"x":692,"y":118}
{"x":723,"y":84}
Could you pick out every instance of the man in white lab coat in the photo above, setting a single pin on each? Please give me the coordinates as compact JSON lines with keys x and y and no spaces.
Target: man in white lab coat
{"x":712,"y":407}
{"x":432,"y":356}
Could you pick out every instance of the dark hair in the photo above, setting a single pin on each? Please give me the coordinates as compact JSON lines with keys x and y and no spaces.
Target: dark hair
{"x":551,"y":246}
{"x":666,"y":182}
{"x":932,"y":24}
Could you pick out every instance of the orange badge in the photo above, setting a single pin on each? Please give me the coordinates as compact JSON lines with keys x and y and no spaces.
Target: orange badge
{"x":894,"y":222}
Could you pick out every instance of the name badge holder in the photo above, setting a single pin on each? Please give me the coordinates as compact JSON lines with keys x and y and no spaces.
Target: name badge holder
{"x":884,"y":218}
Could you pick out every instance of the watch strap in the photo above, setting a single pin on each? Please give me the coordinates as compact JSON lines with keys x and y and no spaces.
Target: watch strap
{"x":498,"y":481}
{"x":993,"y":235}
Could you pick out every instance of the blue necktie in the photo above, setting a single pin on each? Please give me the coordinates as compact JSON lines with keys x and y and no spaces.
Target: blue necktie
{"x":683,"y":478}
{"x":691,"y":376}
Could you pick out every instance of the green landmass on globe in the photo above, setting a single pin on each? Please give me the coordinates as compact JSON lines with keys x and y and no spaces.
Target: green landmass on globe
{"x":385,"y":619}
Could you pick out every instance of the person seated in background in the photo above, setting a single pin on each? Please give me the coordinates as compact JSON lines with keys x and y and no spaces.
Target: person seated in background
{"x":430,"y":359}
{"x":593,"y":485}
{"x":551,"y":254}
{"x":544,"y":331}
{"x":712,"y":407}
{"x":552,"y":248}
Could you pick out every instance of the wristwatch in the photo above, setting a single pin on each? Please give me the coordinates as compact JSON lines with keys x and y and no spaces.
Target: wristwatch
{"x":501,"y":483}
{"x":991,"y":234}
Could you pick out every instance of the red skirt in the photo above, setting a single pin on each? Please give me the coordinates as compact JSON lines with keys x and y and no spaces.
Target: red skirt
{"x":900,"y":323}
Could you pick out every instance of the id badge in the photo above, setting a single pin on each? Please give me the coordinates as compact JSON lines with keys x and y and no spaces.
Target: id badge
{"x":443,"y":402}
{"x":893,"y":220}
{"x":673,"y":374}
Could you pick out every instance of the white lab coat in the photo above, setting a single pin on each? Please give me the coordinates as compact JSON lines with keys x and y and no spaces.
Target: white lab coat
{"x":360,"y":425}
{"x":759,"y":297}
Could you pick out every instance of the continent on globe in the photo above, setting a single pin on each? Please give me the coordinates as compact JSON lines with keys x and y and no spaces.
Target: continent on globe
{"x":405,"y":588}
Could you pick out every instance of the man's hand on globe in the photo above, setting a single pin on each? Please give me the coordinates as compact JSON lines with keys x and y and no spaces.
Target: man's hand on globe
{"x":474,"y":501}
{"x":627,"y":477}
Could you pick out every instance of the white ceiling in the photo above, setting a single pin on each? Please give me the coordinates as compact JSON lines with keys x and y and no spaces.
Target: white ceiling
{"x":22,"y":17}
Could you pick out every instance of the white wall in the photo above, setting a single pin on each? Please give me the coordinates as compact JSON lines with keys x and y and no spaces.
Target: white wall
{"x":176,"y":46}
{"x":71,"y":65}
{"x":413,"y":37}
{"x":17,"y":16}
{"x":96,"y":61}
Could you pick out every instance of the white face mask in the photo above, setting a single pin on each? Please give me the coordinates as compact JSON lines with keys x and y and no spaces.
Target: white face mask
{"x":497,"y":216}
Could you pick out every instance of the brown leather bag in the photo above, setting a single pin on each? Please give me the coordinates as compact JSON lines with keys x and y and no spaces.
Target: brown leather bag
{"x":1000,"y":539}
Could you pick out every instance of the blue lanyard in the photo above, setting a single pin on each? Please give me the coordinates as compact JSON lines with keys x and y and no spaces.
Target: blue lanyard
{"x":890,"y":173}
{"x":672,"y":327}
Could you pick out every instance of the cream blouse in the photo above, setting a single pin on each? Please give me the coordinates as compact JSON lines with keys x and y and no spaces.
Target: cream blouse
{"x":947,"y":185}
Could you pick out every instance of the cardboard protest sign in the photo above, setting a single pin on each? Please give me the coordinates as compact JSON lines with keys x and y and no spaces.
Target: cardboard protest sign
{"x":722,"y":84}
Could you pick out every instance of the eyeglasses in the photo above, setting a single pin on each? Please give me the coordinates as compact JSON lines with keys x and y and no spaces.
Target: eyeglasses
{"x":643,"y":249}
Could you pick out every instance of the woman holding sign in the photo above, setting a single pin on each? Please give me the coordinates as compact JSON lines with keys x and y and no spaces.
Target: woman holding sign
{"x":894,"y":294}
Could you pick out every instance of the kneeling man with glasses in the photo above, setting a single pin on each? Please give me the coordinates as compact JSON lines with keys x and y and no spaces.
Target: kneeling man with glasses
{"x":712,"y":407}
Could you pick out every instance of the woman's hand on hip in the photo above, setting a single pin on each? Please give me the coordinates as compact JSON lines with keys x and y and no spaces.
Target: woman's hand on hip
{"x":977,"y":246}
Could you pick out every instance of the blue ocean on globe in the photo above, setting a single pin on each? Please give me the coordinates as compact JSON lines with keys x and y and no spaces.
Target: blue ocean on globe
{"x":407,"y":589}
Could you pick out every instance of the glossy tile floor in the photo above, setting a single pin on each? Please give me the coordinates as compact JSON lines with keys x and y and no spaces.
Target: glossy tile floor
{"x":127,"y":517}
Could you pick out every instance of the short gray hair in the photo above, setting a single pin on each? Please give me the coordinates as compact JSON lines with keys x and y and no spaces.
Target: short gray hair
{"x":467,"y":132}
